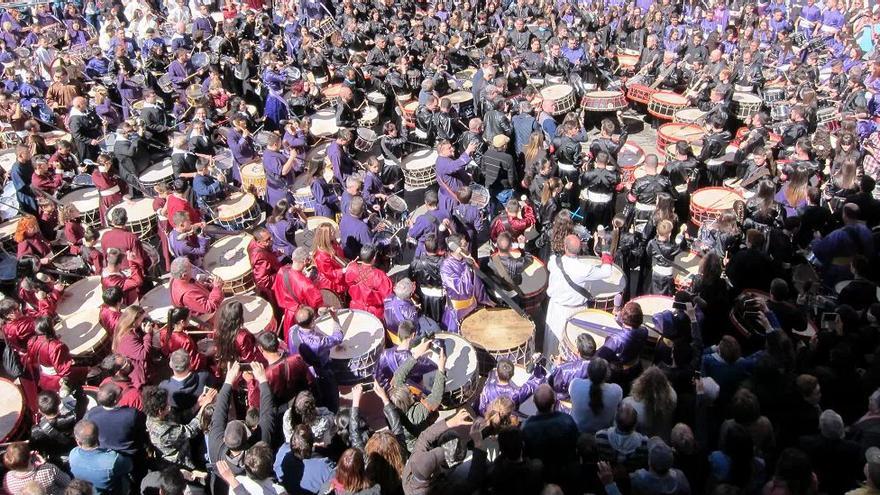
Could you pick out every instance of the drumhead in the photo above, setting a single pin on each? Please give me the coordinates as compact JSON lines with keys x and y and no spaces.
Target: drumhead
{"x":411,"y":107}
{"x":556,"y":92}
{"x":376,"y":98}
{"x":82,"y":331}
{"x":746,"y":98}
{"x":604,"y":94}
{"x":535,"y":278}
{"x":227,"y":258}
{"x":85,"y":199}
{"x":7,"y":159}
{"x":681,"y":132}
{"x":332,"y":91}
{"x":324,"y":122}
{"x":313,"y":223}
{"x":461,"y":360}
{"x":716,"y":198}
{"x":8,"y":228}
{"x":670,"y":98}
{"x":85,"y":293}
{"x":689,"y":114}
{"x":137,"y":209}
{"x":420,"y":159}
{"x":689,"y":260}
{"x":608,"y":287}
{"x":370,"y":113}
{"x":599,"y":317}
{"x":11,"y":408}
{"x":652,"y":305}
{"x":366,"y":134}
{"x":158,"y":172}
{"x":253,"y":170}
{"x":362,"y":332}
{"x":257,"y":312}
{"x":631,"y":155}
{"x":460,"y":97}
{"x":497,"y":329}
{"x":52,"y":137}
{"x":157,"y":302}
{"x":234,"y":205}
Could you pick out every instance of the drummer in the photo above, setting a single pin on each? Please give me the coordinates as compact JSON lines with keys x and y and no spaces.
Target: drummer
{"x":509,"y":262}
{"x":128,"y":281}
{"x":119,"y":237}
{"x":500,"y":384}
{"x":110,"y":186}
{"x":434,"y":222}
{"x":392,"y":358}
{"x":368,"y":286}
{"x":280,"y":169}
{"x":563,"y":372}
{"x":343,"y":165}
{"x":187,"y":292}
{"x":464,"y":290}
{"x":187,"y":240}
{"x":208,"y":189}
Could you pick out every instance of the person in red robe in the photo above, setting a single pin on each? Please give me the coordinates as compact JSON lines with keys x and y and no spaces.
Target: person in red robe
{"x":111,"y":310}
{"x":177,"y":201}
{"x":515,"y":220}
{"x":264,"y":262}
{"x":174,"y":335}
{"x":234,"y":341}
{"x":40,"y":295}
{"x":119,"y":369}
{"x":293,"y":289}
{"x":94,"y":256}
{"x":134,"y":340}
{"x":190,"y":294}
{"x":129,"y":281}
{"x":31,"y":241}
{"x":45,"y":178}
{"x":367,"y":285}
{"x":329,"y":260}
{"x":286,"y":374}
{"x":74,"y":232}
{"x":159,"y":202}
{"x":49,"y":359}
{"x":121,"y":238}
{"x":110,"y":186}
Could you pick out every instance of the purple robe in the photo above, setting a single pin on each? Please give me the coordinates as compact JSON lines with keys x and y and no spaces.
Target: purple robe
{"x":326,"y":199}
{"x":108,"y":113}
{"x":624,"y":346}
{"x":464,"y":291}
{"x":398,"y":310}
{"x":277,"y":184}
{"x":393,"y":358}
{"x":275,"y":109}
{"x":354,"y":233}
{"x":314,"y":345}
{"x":372,"y":186}
{"x":282,"y":232}
{"x":130,"y":93}
{"x":493,"y":389}
{"x":451,"y":175}
{"x":242,"y":148}
{"x":343,"y":165}
{"x":192,"y":246}
{"x":297,"y":142}
{"x":427,"y":224}
{"x":179,"y":72}
{"x":561,"y":376}
{"x":833,"y":18}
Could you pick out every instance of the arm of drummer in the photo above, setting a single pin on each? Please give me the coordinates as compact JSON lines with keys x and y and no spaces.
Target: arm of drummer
{"x":137,"y":273}
{"x":46,"y":306}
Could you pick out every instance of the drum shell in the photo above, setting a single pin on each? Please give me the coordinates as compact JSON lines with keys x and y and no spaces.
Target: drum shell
{"x":13,"y":418}
{"x":562,"y":96}
{"x":639,"y":93}
{"x":664,"y":104}
{"x":238,"y":221}
{"x":254,"y":175}
{"x":704,"y":213}
{"x":599,"y":101}
{"x":475,"y":326}
{"x":422,"y":176}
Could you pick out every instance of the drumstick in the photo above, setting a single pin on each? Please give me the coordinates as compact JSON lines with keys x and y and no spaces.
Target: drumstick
{"x":65,"y":248}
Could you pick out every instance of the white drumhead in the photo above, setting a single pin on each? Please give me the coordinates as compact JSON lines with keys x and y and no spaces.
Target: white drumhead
{"x":596,"y":316}
{"x":461,"y":360}
{"x":324,"y":123}
{"x":370,"y":113}
{"x":157,"y":302}
{"x":716,"y":198}
{"x":690,"y":261}
{"x":85,"y":199}
{"x":362,"y":332}
{"x":234,"y":205}
{"x":746,"y":98}
{"x":137,"y":209}
{"x":8,"y":228}
{"x":257,"y":312}
{"x":158,"y":172}
{"x":556,"y":91}
{"x":7,"y":159}
{"x":652,"y":305}
{"x":82,"y":331}
{"x":376,"y":98}
{"x":85,"y":293}
{"x":366,"y":134}
{"x":313,"y":223}
{"x":420,"y":159}
{"x":604,"y":94}
{"x":253,"y":170}
{"x":460,"y":97}
{"x":689,"y":114}
{"x":11,"y":408}
{"x":227,"y":258}
{"x":608,"y":287}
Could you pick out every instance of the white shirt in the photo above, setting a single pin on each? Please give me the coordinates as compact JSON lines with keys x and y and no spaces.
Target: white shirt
{"x":580,"y":272}
{"x":264,"y":487}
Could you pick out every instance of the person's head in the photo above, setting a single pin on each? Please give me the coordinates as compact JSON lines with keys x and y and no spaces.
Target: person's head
{"x":831,"y":425}
{"x":504,"y":370}
{"x":172,"y":482}
{"x":17,"y":456}
{"x":729,"y":349}
{"x":86,"y":434}
{"x":745,"y":407}
{"x":155,"y":402}
{"x":872,"y":467}
{"x":179,"y":362}
{"x":385,"y":458}
{"x":79,"y":487}
{"x":631,"y":315}
{"x":545,"y":398}
{"x":626,"y":418}
{"x":660,"y":456}
{"x":300,"y":258}
{"x":586,"y":345}
{"x":808,"y":388}
{"x":258,"y":461}
{"x":351,"y":471}
{"x":572,"y":245}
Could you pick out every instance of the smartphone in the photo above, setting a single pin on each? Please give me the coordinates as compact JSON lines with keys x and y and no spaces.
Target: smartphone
{"x":829,"y":321}
{"x":245,"y":366}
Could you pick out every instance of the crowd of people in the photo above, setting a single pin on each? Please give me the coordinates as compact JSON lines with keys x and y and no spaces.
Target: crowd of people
{"x":702,"y":316}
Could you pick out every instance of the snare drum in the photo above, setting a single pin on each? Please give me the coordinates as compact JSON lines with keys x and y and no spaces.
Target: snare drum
{"x":324,"y":123}
{"x":466,"y":77}
{"x":628,"y":59}
{"x":419,"y":169}
{"x":366,"y":138}
{"x":369,"y":118}
{"x":664,"y":104}
{"x":463,"y":102}
{"x":688,"y":116}
{"x":562,"y":97}
{"x":157,"y":173}
{"x":653,"y":305}
{"x":165,"y":84}
{"x":604,"y":290}
{"x":254,"y":174}
{"x":688,"y":261}
{"x":535,"y":278}
{"x":227,"y":258}
{"x":11,"y":410}
{"x":194,"y":95}
{"x":497,"y":334}
{"x":52,"y":138}
{"x":672,"y":133}
{"x":708,"y":203}
{"x":363,"y":339}
{"x":376,"y":98}
{"x":239,"y":211}
{"x":142,"y":217}
{"x":479,"y":195}
{"x":409,"y":114}
{"x":639,"y":93}
{"x":604,"y":101}
{"x":85,"y":293}
{"x":745,"y":105}
{"x":779,"y":111}
{"x":258,"y":314}
{"x":629,"y":159}
{"x":574,"y":327}
{"x":87,"y":201}
{"x":772,"y":95}
{"x":84,"y":336}
{"x":462,"y":371}
{"x":304,"y":199}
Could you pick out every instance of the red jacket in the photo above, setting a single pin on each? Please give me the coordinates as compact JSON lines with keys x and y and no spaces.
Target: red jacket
{"x":137,"y":347}
{"x":330,"y":274}
{"x":172,"y":341}
{"x":131,"y":397}
{"x":368,"y":288}
{"x":39,"y":307}
{"x":265,"y":264}
{"x":124,"y":241}
{"x":50,"y":360}
{"x":96,"y":260}
{"x":73,"y":234}
{"x":36,"y":246}
{"x":195,"y":297}
{"x":287,"y":377}
{"x":297,"y":290}
{"x":515,"y":226}
{"x":108,"y":318}
{"x":48,"y":183}
{"x":106,"y":183}
{"x":174,"y":204}
{"x":130,"y":284}
{"x":18,"y":332}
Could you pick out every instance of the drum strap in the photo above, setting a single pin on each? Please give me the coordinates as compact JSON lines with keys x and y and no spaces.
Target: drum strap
{"x":447,"y":188}
{"x":580,"y":290}
{"x":285,"y":277}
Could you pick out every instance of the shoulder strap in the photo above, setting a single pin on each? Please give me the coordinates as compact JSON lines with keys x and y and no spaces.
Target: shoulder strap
{"x":285,"y":277}
{"x":580,"y":290}
{"x":501,"y":270}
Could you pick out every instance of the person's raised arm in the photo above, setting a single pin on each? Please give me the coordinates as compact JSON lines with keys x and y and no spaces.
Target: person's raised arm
{"x":267,"y":407}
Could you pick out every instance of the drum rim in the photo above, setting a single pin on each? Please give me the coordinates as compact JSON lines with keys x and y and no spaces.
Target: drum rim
{"x":19,"y":420}
{"x":482,"y":345}
{"x":713,"y":188}
{"x":572,"y":346}
{"x":226,"y":203}
{"x":81,"y":191}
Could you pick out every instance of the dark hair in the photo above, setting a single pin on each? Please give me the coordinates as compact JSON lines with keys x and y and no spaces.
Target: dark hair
{"x":301,"y":441}
{"x":155,"y":401}
{"x":258,"y":461}
{"x":368,"y":253}
{"x":44,"y":327}
{"x":586,"y":345}
{"x":112,"y":296}
{"x":230,"y":322}
{"x":510,"y":443}
{"x":745,"y":407}
{"x":171,"y":481}
{"x":109,"y":394}
{"x":504,"y":370}
{"x":631,"y":315}
{"x":268,"y":341}
{"x":48,"y":402}
{"x":740,"y":448}
{"x":597,"y":372}
{"x":79,"y":487}
{"x":793,"y":467}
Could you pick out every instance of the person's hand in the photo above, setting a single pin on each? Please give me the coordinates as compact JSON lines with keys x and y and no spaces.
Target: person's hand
{"x":569,"y":185}
{"x":45,"y":261}
{"x":461,"y":418}
{"x":94,"y":142}
{"x":130,"y":256}
{"x":441,"y":360}
{"x":225,"y":472}
{"x":477,"y":435}
{"x":216,"y":281}
{"x":379,"y":391}
{"x":40,"y":295}
{"x":521,"y":240}
{"x":421,"y":349}
{"x":356,"y":392}
{"x":606,"y":475}
{"x":698,"y":385}
{"x":58,"y":286}
{"x":232,"y":372}
{"x":259,"y":371}
{"x":207,"y":397}
{"x":471,"y":147}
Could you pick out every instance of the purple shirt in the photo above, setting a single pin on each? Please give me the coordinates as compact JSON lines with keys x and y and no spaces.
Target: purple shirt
{"x":461,"y":285}
{"x":192,"y":246}
{"x":242,"y":147}
{"x":343,"y":165}
{"x":398,"y":310}
{"x":325,"y":198}
{"x":561,"y":376}
{"x":354,"y":233}
{"x":493,"y":389}
{"x":314,"y":342}
{"x":282,"y":233}
{"x":429,"y":223}
{"x":277,"y":184}
{"x":624,"y":346}
{"x":451,"y":173}
{"x":393,"y":358}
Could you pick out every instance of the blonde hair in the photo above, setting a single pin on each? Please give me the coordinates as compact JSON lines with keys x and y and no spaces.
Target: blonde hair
{"x":127,"y":324}
{"x":325,"y":239}
{"x":664,"y":228}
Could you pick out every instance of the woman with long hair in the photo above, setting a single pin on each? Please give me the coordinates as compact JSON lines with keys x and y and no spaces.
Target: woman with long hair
{"x":234,"y":342}
{"x":593,"y":400}
{"x":385,"y":462}
{"x":31,"y":241}
{"x":329,"y":259}
{"x":534,"y":153}
{"x":762,"y":208}
{"x":720,"y":236}
{"x":844,"y":182}
{"x":793,"y":194}
{"x":175,"y":335}
{"x":134,"y":340}
{"x":664,"y":210}
{"x":715,"y":292}
{"x":283,"y":223}
{"x":351,"y":477}
{"x":654,"y":400}
{"x":563,"y":225}
{"x":546,"y":213}
{"x":50,"y":359}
